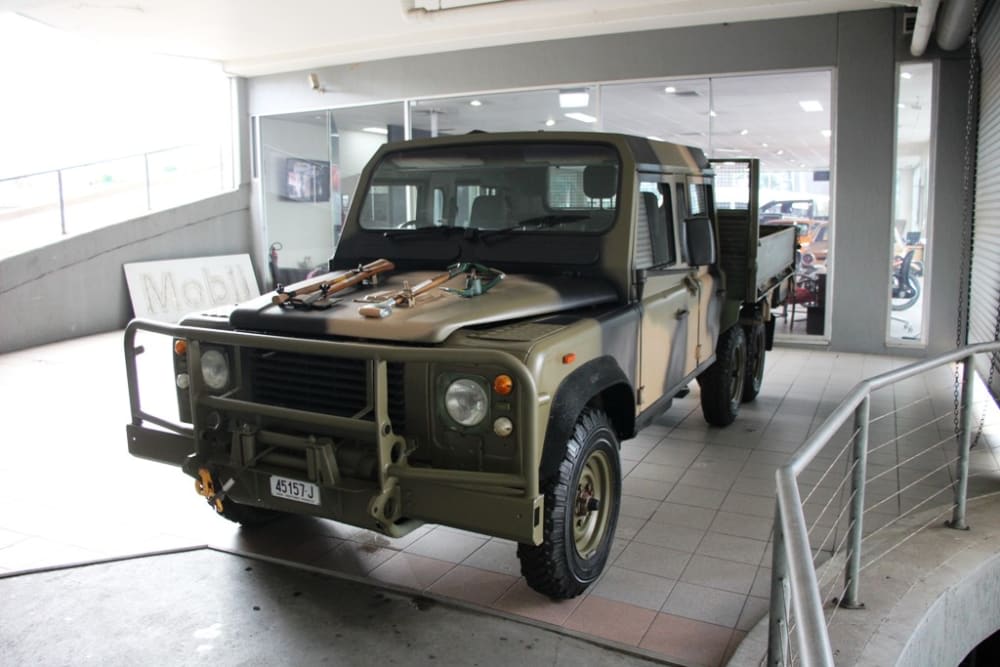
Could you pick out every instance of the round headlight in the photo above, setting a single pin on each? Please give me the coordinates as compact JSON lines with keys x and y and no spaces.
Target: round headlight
{"x":466,"y":402}
{"x":215,"y":369}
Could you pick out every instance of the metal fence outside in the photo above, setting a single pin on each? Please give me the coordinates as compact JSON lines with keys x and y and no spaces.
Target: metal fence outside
{"x":41,"y":208}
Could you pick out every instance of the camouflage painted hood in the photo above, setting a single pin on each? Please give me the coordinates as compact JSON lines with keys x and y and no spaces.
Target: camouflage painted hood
{"x":435,"y":316}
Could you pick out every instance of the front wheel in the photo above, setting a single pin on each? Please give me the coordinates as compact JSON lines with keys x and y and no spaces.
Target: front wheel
{"x":722,"y":384}
{"x":581,"y":512}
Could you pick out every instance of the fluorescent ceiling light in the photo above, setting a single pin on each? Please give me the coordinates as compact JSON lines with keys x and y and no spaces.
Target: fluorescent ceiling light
{"x":780,"y":151}
{"x":906,"y":75}
{"x":476,"y":103}
{"x":376,"y":130}
{"x":744,"y":133}
{"x":810,"y":105}
{"x":670,"y":89}
{"x":549,"y":123}
{"x":582,"y":117}
{"x":764,"y":145}
{"x":573,"y":99}
{"x":826,"y":133}
{"x":712,"y":113}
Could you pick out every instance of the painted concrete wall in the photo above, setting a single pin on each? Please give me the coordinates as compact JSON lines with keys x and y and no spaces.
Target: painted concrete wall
{"x":77,"y":286}
{"x":861,"y":47}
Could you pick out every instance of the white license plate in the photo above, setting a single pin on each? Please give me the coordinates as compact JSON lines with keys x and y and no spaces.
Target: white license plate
{"x":293,"y":489}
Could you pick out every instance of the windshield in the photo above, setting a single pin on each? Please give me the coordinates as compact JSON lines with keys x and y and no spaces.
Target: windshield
{"x":522,"y":187}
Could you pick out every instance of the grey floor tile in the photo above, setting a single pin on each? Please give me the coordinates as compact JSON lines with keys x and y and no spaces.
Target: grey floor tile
{"x":673,"y":453}
{"x":683,"y":515}
{"x":674,"y":537}
{"x":657,"y":472}
{"x":697,"y":496}
{"x":651,"y":559}
{"x":708,"y":480}
{"x":638,"y":508}
{"x":731,"y":547}
{"x":705,"y":604}
{"x":638,"y":588}
{"x":446,"y":545}
{"x":754,"y":609}
{"x":718,"y":573}
{"x":646,"y":488}
{"x":742,"y":525}
{"x":742,"y":503}
{"x":496,"y":556}
{"x":628,"y":526}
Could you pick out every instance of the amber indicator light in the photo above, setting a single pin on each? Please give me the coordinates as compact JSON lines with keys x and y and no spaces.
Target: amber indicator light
{"x":569,"y":358}
{"x":180,"y":347}
{"x":503,"y":385}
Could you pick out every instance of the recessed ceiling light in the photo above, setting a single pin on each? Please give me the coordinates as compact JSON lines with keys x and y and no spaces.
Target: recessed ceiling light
{"x":906,"y":75}
{"x":780,"y":151}
{"x":476,"y":103}
{"x":549,"y":123}
{"x":826,"y":133}
{"x":582,"y":117}
{"x":376,"y":130}
{"x":802,"y":164}
{"x":711,"y":112}
{"x":901,"y":106}
{"x":573,"y":99}
{"x":744,"y":132}
{"x":810,"y":105}
{"x":763,"y":145}
{"x":670,"y":89}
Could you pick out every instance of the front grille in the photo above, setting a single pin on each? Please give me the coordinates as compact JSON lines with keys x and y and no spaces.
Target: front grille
{"x":327,"y":385}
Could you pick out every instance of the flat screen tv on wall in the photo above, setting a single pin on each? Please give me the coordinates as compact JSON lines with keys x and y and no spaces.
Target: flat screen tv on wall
{"x":306,"y":180}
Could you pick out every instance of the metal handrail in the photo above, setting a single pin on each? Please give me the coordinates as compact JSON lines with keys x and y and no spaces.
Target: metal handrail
{"x":792,"y":561}
{"x":97,"y":162}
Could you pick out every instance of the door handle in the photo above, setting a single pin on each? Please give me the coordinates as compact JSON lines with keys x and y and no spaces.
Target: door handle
{"x":691,"y":284}
{"x":681,"y":314}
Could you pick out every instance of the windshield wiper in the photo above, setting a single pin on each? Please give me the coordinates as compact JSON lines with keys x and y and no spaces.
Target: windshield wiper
{"x":538,"y":222}
{"x":420,"y":232}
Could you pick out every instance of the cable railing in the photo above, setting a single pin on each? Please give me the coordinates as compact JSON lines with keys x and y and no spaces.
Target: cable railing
{"x":889,"y":471}
{"x":43,"y":207}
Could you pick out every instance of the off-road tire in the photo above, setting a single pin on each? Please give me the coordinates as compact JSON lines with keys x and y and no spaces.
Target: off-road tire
{"x":722,"y":384}
{"x":756,"y":351}
{"x":556,"y":567}
{"x":247,"y":515}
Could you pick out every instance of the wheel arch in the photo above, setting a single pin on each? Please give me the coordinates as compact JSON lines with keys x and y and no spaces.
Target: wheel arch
{"x":598,"y":383}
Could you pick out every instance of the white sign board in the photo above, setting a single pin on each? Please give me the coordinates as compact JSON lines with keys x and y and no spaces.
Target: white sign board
{"x":167,"y":290}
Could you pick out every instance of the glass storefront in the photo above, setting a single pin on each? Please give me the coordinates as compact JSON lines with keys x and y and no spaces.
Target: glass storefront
{"x":310,"y":165}
{"x":910,"y":268}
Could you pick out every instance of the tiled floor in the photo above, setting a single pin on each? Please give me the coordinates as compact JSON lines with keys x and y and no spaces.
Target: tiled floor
{"x":689,"y":573}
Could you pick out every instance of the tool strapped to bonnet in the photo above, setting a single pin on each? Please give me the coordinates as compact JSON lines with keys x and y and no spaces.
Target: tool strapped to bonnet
{"x":315,"y":293}
{"x":478,"y":280}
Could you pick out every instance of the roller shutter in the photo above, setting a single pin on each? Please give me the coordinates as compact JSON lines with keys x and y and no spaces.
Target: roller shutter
{"x":986,"y":237}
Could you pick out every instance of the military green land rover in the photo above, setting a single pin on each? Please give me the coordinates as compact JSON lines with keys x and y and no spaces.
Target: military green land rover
{"x":502,"y":311}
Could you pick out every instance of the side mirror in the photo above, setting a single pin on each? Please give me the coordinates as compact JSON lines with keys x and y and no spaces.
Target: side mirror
{"x":699,"y":240}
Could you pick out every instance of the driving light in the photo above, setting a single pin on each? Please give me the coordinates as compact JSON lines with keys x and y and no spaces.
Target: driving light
{"x":503,"y":427}
{"x":466,"y":402}
{"x":215,"y":369}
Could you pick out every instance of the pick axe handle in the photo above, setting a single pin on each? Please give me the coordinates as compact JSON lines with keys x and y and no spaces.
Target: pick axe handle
{"x":332,"y":282}
{"x":384,"y":309}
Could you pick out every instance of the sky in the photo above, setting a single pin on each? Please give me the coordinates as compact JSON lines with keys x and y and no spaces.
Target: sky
{"x":66,"y":101}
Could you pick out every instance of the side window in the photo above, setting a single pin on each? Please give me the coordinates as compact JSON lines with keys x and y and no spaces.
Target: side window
{"x":697,"y":200}
{"x":656,"y":214}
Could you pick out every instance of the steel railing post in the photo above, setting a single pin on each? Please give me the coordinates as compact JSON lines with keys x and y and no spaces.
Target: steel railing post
{"x":777,"y":640}
{"x":964,"y":442}
{"x":852,"y":569}
{"x":62,"y":203}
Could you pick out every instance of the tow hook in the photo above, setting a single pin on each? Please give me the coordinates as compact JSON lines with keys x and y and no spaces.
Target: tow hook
{"x":205,"y":486}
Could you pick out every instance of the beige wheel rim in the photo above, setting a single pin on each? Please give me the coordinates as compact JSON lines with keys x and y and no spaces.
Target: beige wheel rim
{"x":591,"y":507}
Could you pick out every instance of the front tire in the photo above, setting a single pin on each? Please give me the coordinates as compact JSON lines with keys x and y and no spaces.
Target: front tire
{"x":581,"y":512}
{"x":722,"y":384}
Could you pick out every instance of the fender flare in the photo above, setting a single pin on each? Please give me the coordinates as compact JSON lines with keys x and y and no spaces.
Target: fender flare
{"x":573,"y":394}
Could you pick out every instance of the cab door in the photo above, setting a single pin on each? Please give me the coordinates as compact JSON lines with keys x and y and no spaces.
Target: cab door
{"x":696,"y":208}
{"x":669,"y":329}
